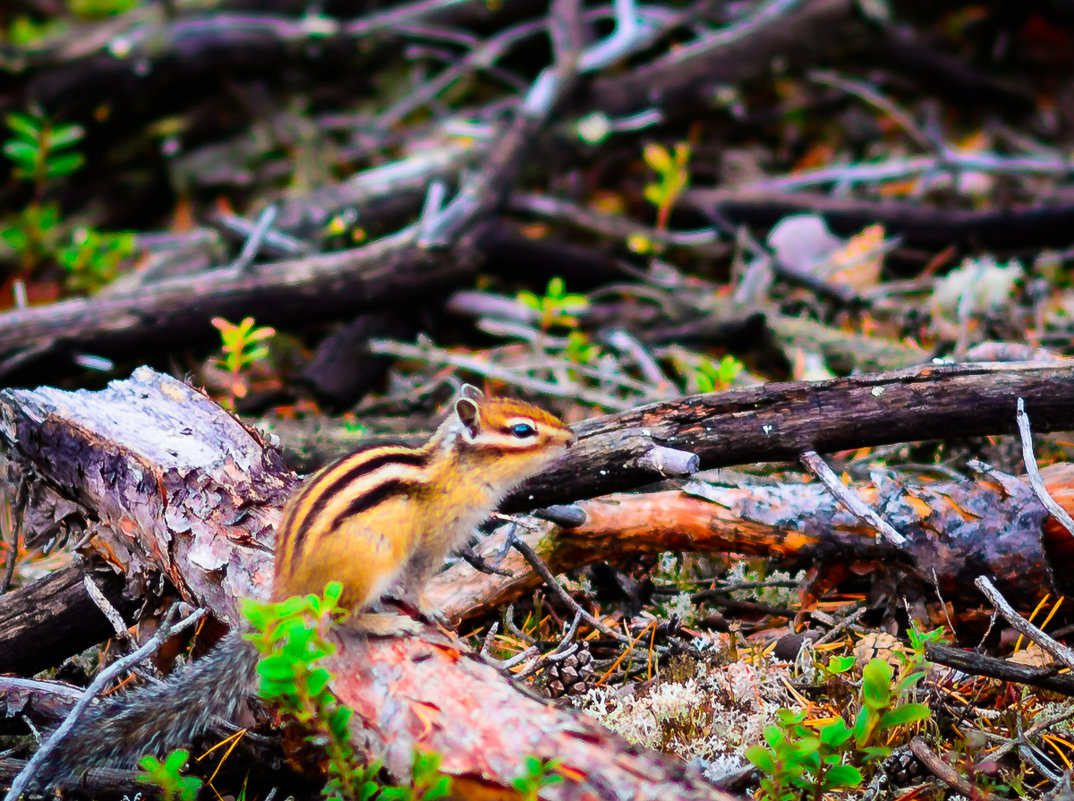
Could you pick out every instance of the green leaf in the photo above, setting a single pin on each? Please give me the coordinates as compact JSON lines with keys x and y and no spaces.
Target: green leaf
{"x":876,"y":684}
{"x":265,"y":332}
{"x":175,"y":761}
{"x":862,"y":727}
{"x":835,"y":734}
{"x":837,"y":664}
{"x":65,"y":135}
{"x":257,"y":353}
{"x":761,"y":758}
{"x":23,"y":153}
{"x":337,"y":723}
{"x":657,"y":157}
{"x":188,"y":788}
{"x":842,"y":776}
{"x":875,"y":753}
{"x":27,"y":125}
{"x":317,"y":681}
{"x":255,"y":613}
{"x":440,"y":789}
{"x":63,"y":164}
{"x":333,"y":591}
{"x":909,"y":682}
{"x":277,"y":689}
{"x":654,"y":193}
{"x":529,"y":299}
{"x":907,"y":713}
{"x":276,"y":668}
{"x":14,"y":238}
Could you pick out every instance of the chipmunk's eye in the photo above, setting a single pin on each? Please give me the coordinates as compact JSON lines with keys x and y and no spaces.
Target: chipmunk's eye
{"x":523,"y":430}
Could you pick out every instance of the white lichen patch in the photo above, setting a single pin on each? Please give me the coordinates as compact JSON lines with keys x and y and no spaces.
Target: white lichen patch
{"x":711,"y":718}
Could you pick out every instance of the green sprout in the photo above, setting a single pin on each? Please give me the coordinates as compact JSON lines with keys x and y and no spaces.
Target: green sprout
{"x":100,"y":9}
{"x":168,"y":775}
{"x":556,"y":307}
{"x":92,"y":259}
{"x":243,"y":346}
{"x":540,"y":773}
{"x":672,"y":178}
{"x":708,"y":375}
{"x":43,"y":151}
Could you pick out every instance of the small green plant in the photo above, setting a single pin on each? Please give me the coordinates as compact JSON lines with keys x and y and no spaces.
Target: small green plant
{"x":713,"y":376}
{"x":881,"y":709}
{"x":918,"y":640}
{"x":25,"y":30}
{"x":672,"y":175}
{"x":556,"y":307}
{"x":92,"y":259}
{"x":40,"y":151}
{"x":167,"y":775}
{"x":426,"y":780}
{"x":800,"y":761}
{"x":43,"y":151}
{"x":243,"y":346}
{"x":805,"y":760}
{"x":540,"y":773}
{"x":291,"y":637}
{"x":579,"y":348}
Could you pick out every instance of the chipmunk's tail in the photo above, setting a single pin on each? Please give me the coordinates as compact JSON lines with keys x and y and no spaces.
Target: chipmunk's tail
{"x":156,"y":719}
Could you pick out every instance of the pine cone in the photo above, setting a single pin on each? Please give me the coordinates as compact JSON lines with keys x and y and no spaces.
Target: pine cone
{"x":902,"y":768}
{"x":570,"y":676}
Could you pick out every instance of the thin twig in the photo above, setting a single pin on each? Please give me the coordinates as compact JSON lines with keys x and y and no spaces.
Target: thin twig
{"x":1035,"y":481}
{"x":867,"y":93}
{"x":819,"y":468}
{"x":1023,"y":626}
{"x":22,"y":781}
{"x":22,"y":495}
{"x":9,"y":684}
{"x":541,"y":569}
{"x":841,"y":626}
{"x":564,"y":648}
{"x":253,"y":243}
{"x":434,"y":355}
{"x":119,"y":626}
{"x":898,"y":169}
{"x":948,"y":775}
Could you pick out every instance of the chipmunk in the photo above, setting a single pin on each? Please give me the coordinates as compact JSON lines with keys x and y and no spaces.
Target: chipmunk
{"x":381,"y":519}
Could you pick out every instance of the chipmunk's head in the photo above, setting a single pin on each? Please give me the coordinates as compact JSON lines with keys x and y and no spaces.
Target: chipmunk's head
{"x":520,"y":437}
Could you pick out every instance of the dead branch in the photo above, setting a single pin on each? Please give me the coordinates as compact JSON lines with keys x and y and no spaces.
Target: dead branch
{"x":1003,"y":229}
{"x":776,"y":422}
{"x":300,"y":288}
{"x":955,"y":531}
{"x":47,"y":621}
{"x":795,"y":33}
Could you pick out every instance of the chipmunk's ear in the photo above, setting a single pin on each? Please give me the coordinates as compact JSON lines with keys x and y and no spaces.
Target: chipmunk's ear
{"x":470,"y":391}
{"x":466,"y":411}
